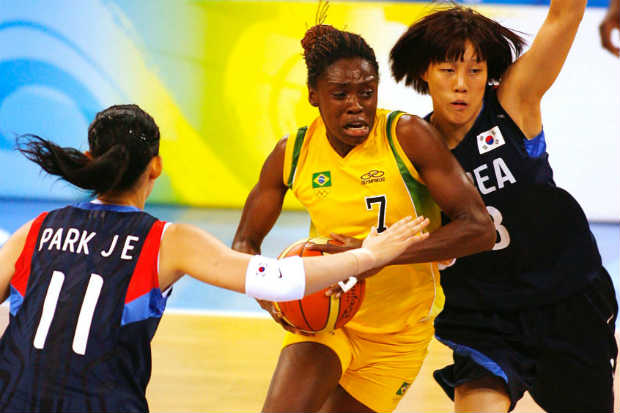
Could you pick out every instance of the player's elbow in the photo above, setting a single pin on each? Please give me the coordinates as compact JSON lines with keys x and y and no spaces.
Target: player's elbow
{"x":478,"y":230}
{"x":487,"y":234}
{"x":481,"y":232}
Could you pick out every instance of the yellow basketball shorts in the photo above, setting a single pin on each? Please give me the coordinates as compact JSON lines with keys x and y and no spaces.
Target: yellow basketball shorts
{"x":377,"y":368}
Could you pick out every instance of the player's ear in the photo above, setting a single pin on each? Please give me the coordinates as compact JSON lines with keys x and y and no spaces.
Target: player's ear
{"x":425,"y":74}
{"x":155,"y":166}
{"x":313,"y":97}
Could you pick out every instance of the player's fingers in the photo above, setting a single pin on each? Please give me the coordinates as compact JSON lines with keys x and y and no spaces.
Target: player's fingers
{"x":265,"y":305}
{"x":421,"y":224}
{"x":412,"y":223}
{"x":297,"y":331}
{"x":443,"y":264}
{"x":414,"y":239}
{"x":290,"y":329}
{"x":333,"y":290}
{"x":420,"y":237}
{"x":406,"y":227}
{"x":328,"y":248}
{"x":280,"y":320}
{"x":341,"y":238}
{"x":373,"y":232}
{"x":605,"y":30}
{"x":402,"y":223}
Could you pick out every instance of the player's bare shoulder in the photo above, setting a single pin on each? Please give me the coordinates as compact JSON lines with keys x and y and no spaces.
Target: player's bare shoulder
{"x":281,"y":144}
{"x":416,"y":134}
{"x":279,"y":151}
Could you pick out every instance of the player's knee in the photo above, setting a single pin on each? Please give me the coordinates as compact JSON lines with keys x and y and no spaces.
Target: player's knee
{"x":489,"y":382}
{"x":487,"y":393}
{"x":281,"y":399}
{"x":305,"y":376}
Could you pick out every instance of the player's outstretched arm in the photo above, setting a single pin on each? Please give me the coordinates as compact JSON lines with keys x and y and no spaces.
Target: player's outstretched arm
{"x":377,"y":251}
{"x":9,"y":253}
{"x":526,"y":80}
{"x":188,"y":250}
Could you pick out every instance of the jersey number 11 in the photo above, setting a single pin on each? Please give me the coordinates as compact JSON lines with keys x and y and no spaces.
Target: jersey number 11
{"x":84,"y":319}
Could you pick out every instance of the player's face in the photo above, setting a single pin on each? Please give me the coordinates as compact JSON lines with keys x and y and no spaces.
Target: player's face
{"x":457,"y":88}
{"x":346,"y":95}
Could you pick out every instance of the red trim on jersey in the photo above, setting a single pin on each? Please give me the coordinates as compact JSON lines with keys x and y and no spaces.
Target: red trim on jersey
{"x":19,"y":281}
{"x":145,"y":277}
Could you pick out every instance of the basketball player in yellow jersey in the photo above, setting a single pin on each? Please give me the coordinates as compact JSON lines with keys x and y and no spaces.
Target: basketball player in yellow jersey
{"x":371,"y":186}
{"x":356,"y":166}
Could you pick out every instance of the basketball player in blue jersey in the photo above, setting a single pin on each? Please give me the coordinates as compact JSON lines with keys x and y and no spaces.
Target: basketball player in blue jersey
{"x":88,"y":283}
{"x":537,"y":312}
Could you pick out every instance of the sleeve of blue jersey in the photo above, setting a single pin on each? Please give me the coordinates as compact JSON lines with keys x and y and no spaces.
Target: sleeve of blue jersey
{"x":537,"y":146}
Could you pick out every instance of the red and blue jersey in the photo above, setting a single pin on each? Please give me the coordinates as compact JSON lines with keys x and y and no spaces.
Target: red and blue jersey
{"x":84,"y":305}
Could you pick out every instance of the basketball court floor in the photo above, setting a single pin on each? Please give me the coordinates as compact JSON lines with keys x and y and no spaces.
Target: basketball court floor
{"x":215,"y":350}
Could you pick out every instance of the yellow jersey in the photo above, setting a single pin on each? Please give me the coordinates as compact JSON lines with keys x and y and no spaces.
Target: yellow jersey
{"x":375,"y":184}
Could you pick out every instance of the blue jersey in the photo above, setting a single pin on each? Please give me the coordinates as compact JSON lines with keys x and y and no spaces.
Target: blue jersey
{"x":85,"y":304}
{"x":544,"y":249}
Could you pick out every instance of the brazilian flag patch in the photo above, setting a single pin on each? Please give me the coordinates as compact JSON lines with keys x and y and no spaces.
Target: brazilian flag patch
{"x":321,"y":179}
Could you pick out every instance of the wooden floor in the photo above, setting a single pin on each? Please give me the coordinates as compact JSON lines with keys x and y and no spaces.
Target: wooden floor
{"x":224,"y":364}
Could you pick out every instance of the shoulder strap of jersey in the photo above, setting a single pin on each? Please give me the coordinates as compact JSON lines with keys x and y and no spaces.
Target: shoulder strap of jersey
{"x":145,"y":276}
{"x":143,"y":298}
{"x":291,"y":156}
{"x":418,"y":192}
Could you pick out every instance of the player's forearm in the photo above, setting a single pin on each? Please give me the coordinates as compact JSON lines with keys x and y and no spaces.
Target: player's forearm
{"x":292,"y":278}
{"x":260,"y":213}
{"x":567,"y":10}
{"x":461,"y":237}
{"x":246,"y":245}
{"x":324,"y":271}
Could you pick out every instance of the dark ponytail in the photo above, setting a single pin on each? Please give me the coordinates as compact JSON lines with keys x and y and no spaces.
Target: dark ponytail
{"x":122,"y":140}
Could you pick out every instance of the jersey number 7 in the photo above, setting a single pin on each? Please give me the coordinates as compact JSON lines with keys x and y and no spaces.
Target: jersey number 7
{"x":382,"y":201}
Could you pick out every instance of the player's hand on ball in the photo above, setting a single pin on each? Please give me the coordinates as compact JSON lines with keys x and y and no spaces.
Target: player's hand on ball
{"x":443,"y":264}
{"x":337,"y":290}
{"x":342,"y":243}
{"x":396,"y":239}
{"x":388,"y":245}
{"x":277,"y":316}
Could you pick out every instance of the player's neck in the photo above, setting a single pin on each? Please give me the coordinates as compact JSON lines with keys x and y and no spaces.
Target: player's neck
{"x":452,"y":133}
{"x":133,"y":199}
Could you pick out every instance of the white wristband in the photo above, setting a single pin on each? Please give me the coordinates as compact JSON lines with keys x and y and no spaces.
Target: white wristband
{"x":275,"y":280}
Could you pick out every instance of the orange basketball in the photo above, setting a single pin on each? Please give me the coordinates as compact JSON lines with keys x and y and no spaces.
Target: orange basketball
{"x":318,"y":313}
